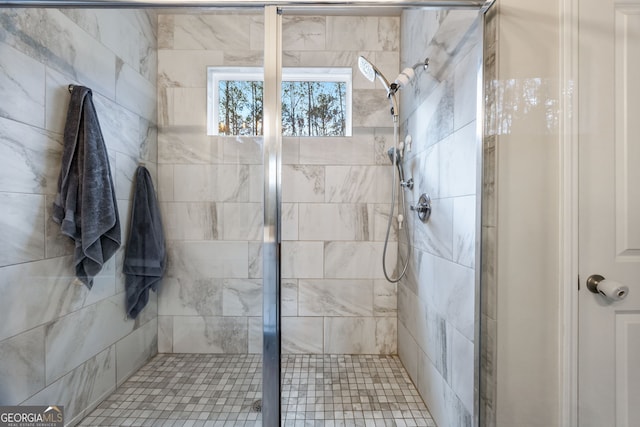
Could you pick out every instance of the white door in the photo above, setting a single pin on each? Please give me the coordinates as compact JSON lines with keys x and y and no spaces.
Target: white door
{"x":609,"y":216}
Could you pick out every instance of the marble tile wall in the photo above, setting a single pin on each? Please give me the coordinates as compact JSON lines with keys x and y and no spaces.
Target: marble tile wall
{"x":335,"y":192}
{"x":59,"y":342}
{"x":437,"y":298}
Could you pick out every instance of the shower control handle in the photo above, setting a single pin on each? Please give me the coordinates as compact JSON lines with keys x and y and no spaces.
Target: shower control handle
{"x":407,"y":184}
{"x":423,"y":208}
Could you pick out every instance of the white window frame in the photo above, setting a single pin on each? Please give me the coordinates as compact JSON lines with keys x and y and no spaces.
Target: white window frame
{"x":299,"y":74}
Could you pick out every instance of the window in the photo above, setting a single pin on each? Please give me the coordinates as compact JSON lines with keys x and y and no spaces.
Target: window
{"x":315,"y":101}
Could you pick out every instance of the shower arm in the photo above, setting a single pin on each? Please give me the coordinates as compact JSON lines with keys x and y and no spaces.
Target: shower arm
{"x":394,"y":87}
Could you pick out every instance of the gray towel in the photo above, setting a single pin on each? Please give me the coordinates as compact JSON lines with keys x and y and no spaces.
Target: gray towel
{"x":85,"y":206}
{"x":145,"y":255}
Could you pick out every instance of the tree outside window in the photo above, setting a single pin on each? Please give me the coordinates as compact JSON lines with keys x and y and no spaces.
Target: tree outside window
{"x":310,"y":107}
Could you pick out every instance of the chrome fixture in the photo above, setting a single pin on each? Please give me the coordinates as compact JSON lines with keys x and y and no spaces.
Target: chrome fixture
{"x":423,"y":208}
{"x":396,"y":158}
{"x":396,"y":153}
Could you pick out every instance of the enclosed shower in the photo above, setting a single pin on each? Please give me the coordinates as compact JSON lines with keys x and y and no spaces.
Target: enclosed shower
{"x":302,"y":284}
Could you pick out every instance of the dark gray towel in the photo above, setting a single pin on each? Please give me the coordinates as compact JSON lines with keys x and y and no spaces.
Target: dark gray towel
{"x":85,"y":206}
{"x":145,"y":255}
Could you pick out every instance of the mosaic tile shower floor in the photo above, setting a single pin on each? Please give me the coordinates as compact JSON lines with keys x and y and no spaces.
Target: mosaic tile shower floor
{"x":220,"y":390}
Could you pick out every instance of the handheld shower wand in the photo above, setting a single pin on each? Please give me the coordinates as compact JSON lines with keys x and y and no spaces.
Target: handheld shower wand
{"x":395,"y":154}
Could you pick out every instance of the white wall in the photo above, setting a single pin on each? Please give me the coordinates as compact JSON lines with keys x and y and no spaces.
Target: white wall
{"x":527,"y":147}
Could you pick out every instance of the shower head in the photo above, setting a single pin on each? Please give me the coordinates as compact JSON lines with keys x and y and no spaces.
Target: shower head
{"x":396,"y":157}
{"x":371,"y":72}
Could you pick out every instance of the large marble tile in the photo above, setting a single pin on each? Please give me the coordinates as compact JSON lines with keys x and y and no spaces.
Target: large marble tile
{"x":303,"y":183}
{"x":356,"y":150}
{"x":335,"y":221}
{"x":462,"y":370}
{"x":184,"y":296}
{"x":101,"y":324}
{"x":22,"y":367}
{"x":30,"y":158}
{"x":255,"y":335}
{"x":186,"y":68}
{"x":188,"y":145}
{"x":304,"y":32}
{"x":242,"y":221}
{"x":86,"y":385}
{"x":184,"y":107}
{"x":434,"y":337}
{"x":458,"y":163}
{"x":165,"y":334}
{"x":54,"y":281}
{"x":289,"y":297}
{"x":136,"y":93}
{"x":363,"y":33}
{"x":424,"y":168}
{"x":192,"y":220}
{"x":357,"y":260}
{"x":464,"y":230}
{"x":290,"y":150}
{"x":109,"y":27}
{"x":453,"y":295}
{"x":220,"y":31}
{"x":148,"y":44}
{"x":243,"y":150}
{"x":384,"y":139}
{"x":120,"y":127}
{"x":134,"y":350}
{"x":370,"y":108}
{"x":385,"y":298}
{"x":165,"y":31}
{"x":214,"y":183}
{"x":243,"y":58}
{"x":256,"y":183}
{"x":434,"y":390}
{"x":336,"y":297}
{"x":359,"y":335}
{"x":302,"y":335}
{"x":358,"y":184}
{"x":22,"y":227}
{"x":302,"y":259}
{"x":255,"y":260}
{"x":466,"y":88}
{"x":165,"y":188}
{"x":381,"y":222}
{"x":431,"y":119}
{"x":242,"y":297}
{"x":22,"y":87}
{"x":436,"y":235}
{"x":207,"y":259}
{"x":290,"y":221}
{"x":210,"y":334}
{"x":408,"y":352}
{"x":53,"y":39}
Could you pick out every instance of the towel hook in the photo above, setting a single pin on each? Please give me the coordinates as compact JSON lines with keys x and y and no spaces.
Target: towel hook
{"x":71,"y":87}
